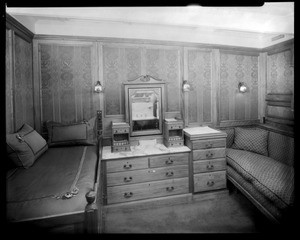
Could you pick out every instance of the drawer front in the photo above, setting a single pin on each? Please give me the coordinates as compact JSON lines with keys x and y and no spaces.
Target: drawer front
{"x":209,"y":154}
{"x":146,"y":175}
{"x":205,"y":144}
{"x":169,"y":160}
{"x":209,"y":165}
{"x":126,"y":165}
{"x":174,"y":126}
{"x":147,"y":190}
{"x":209,"y":181}
{"x":121,"y":130}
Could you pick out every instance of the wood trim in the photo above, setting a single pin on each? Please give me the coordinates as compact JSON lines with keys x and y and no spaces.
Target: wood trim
{"x":253,"y":200}
{"x":233,"y":123}
{"x":262,"y":83}
{"x":145,"y":41}
{"x":215,"y":87}
{"x":280,"y":120}
{"x":276,"y":130}
{"x":238,"y":51}
{"x":18,"y":28}
{"x":279,"y":97}
{"x":279,"y":47}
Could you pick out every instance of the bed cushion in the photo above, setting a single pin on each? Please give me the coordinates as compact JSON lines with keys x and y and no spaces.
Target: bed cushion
{"x":25,"y":146}
{"x":254,"y":140}
{"x":81,"y":133}
{"x":272,"y":178}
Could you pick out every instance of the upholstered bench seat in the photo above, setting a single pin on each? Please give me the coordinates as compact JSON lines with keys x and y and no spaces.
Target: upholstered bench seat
{"x":273,"y":179}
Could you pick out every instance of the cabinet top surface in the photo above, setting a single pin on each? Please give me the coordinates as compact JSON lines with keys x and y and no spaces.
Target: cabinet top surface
{"x":204,"y":131}
{"x":139,"y":151}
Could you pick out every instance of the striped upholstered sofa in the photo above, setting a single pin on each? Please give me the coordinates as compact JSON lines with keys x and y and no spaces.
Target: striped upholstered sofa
{"x":260,"y":163}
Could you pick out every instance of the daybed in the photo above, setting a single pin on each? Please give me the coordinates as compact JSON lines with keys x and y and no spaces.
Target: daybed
{"x":53,"y":185}
{"x":260,"y":163}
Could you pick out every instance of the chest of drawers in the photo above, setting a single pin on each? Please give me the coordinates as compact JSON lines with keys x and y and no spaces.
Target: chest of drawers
{"x":131,"y":178}
{"x":208,"y":158}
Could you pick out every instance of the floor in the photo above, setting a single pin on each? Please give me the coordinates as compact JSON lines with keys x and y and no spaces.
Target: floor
{"x":227,"y":213}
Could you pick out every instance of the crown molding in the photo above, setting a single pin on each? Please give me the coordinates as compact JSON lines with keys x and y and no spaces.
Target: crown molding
{"x":18,"y":28}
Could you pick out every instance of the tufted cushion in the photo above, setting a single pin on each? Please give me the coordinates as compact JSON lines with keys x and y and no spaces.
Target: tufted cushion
{"x":230,"y":136}
{"x":254,"y":140}
{"x":25,"y":146}
{"x":82,"y":133}
{"x":281,"y":148}
{"x":273,"y":179}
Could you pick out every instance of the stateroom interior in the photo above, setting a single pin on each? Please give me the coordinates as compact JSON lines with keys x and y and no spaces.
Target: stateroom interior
{"x":150,"y":119}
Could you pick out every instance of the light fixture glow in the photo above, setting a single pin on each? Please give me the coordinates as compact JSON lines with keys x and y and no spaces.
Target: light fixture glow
{"x":242,"y":87}
{"x":185,"y":86}
{"x":98,"y":87}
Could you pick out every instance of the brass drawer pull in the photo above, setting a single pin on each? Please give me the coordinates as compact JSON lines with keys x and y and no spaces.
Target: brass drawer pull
{"x":210,"y":183}
{"x":168,"y":162}
{"x":127,"y":166}
{"x":128,"y":195}
{"x":208,"y":145}
{"x":127,"y":179}
{"x":169,"y":174}
{"x":169,"y":189}
{"x":210,"y":166}
{"x":209,"y":154}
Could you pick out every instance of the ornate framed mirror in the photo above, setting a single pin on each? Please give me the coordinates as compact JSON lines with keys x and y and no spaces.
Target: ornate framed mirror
{"x":144,"y":105}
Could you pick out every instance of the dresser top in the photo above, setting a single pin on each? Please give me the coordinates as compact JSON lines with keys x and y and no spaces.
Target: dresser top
{"x":137,"y":151}
{"x":202,"y":132}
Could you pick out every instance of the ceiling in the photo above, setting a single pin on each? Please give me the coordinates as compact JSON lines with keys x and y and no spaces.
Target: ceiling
{"x":270,"y":20}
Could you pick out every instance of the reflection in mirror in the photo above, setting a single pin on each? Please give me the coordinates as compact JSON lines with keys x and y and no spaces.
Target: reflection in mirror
{"x":145,"y":109}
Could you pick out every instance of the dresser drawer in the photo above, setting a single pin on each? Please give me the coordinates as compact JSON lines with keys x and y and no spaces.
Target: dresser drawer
{"x":146,"y":175}
{"x":209,"y":165}
{"x":138,"y":191}
{"x":209,"y":154}
{"x":169,"y":160}
{"x":209,"y":181}
{"x":125,"y":165}
{"x":213,"y":143}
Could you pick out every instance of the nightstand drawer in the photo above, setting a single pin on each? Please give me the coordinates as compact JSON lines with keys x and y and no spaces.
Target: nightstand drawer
{"x":205,"y":144}
{"x":138,"y":191}
{"x":209,"y":154}
{"x":169,"y":160}
{"x":126,"y":165}
{"x":146,"y":175}
{"x":209,"y":165}
{"x":209,"y":181}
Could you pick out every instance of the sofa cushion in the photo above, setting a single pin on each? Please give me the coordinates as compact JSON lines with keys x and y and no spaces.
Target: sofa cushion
{"x":25,"y":146}
{"x":272,"y":178}
{"x":281,"y":148}
{"x":81,"y":133}
{"x":253,"y":139}
{"x":230,"y":136}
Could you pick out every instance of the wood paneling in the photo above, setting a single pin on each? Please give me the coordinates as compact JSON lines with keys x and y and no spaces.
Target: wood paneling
{"x":67,"y":79}
{"x":235,"y":68}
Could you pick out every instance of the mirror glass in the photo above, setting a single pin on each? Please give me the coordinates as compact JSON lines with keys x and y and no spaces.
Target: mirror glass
{"x":145,"y":109}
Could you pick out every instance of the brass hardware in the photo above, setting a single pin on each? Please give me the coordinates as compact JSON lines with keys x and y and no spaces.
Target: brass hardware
{"x":209,"y":154}
{"x":168,"y":162}
{"x":210,"y":166}
{"x":128,"y":195}
{"x":169,"y":174}
{"x":208,"y":145}
{"x":210,"y":183}
{"x":127,"y":179}
{"x":127,"y":166}
{"x":169,"y":189}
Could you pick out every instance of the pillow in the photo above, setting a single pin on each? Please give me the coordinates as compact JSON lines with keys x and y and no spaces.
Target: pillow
{"x":253,"y":140}
{"x":25,"y":146}
{"x":82,"y":133}
{"x":230,"y":136}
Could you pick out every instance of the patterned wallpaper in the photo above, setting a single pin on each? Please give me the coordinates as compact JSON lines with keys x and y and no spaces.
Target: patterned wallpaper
{"x":23,"y":84}
{"x":280,"y":76}
{"x":67,"y":83}
{"x":234,"y":69}
{"x":199,"y":76}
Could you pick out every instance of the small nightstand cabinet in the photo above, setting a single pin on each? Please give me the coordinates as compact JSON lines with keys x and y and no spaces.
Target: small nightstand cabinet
{"x":208,"y":157}
{"x":173,"y":133}
{"x":120,"y":137}
{"x":137,"y":178}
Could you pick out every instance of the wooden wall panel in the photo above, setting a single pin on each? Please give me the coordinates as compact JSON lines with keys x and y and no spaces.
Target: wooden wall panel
{"x":67,"y":79}
{"x":23,"y":84}
{"x":199,"y":76}
{"x":235,"y":68}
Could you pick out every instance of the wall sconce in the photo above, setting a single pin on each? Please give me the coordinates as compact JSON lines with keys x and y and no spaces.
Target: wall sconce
{"x":242,"y":87}
{"x":185,"y":86}
{"x":98,"y":87}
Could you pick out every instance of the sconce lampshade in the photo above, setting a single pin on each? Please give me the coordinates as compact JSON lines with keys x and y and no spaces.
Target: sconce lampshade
{"x":185,"y":86}
{"x":242,"y":87}
{"x":98,"y":87}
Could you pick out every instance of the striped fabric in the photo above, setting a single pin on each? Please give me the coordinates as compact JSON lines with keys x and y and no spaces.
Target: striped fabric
{"x":254,"y":140}
{"x":281,"y":148}
{"x":230,"y":136}
{"x":271,"y":178}
{"x":265,"y":202}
